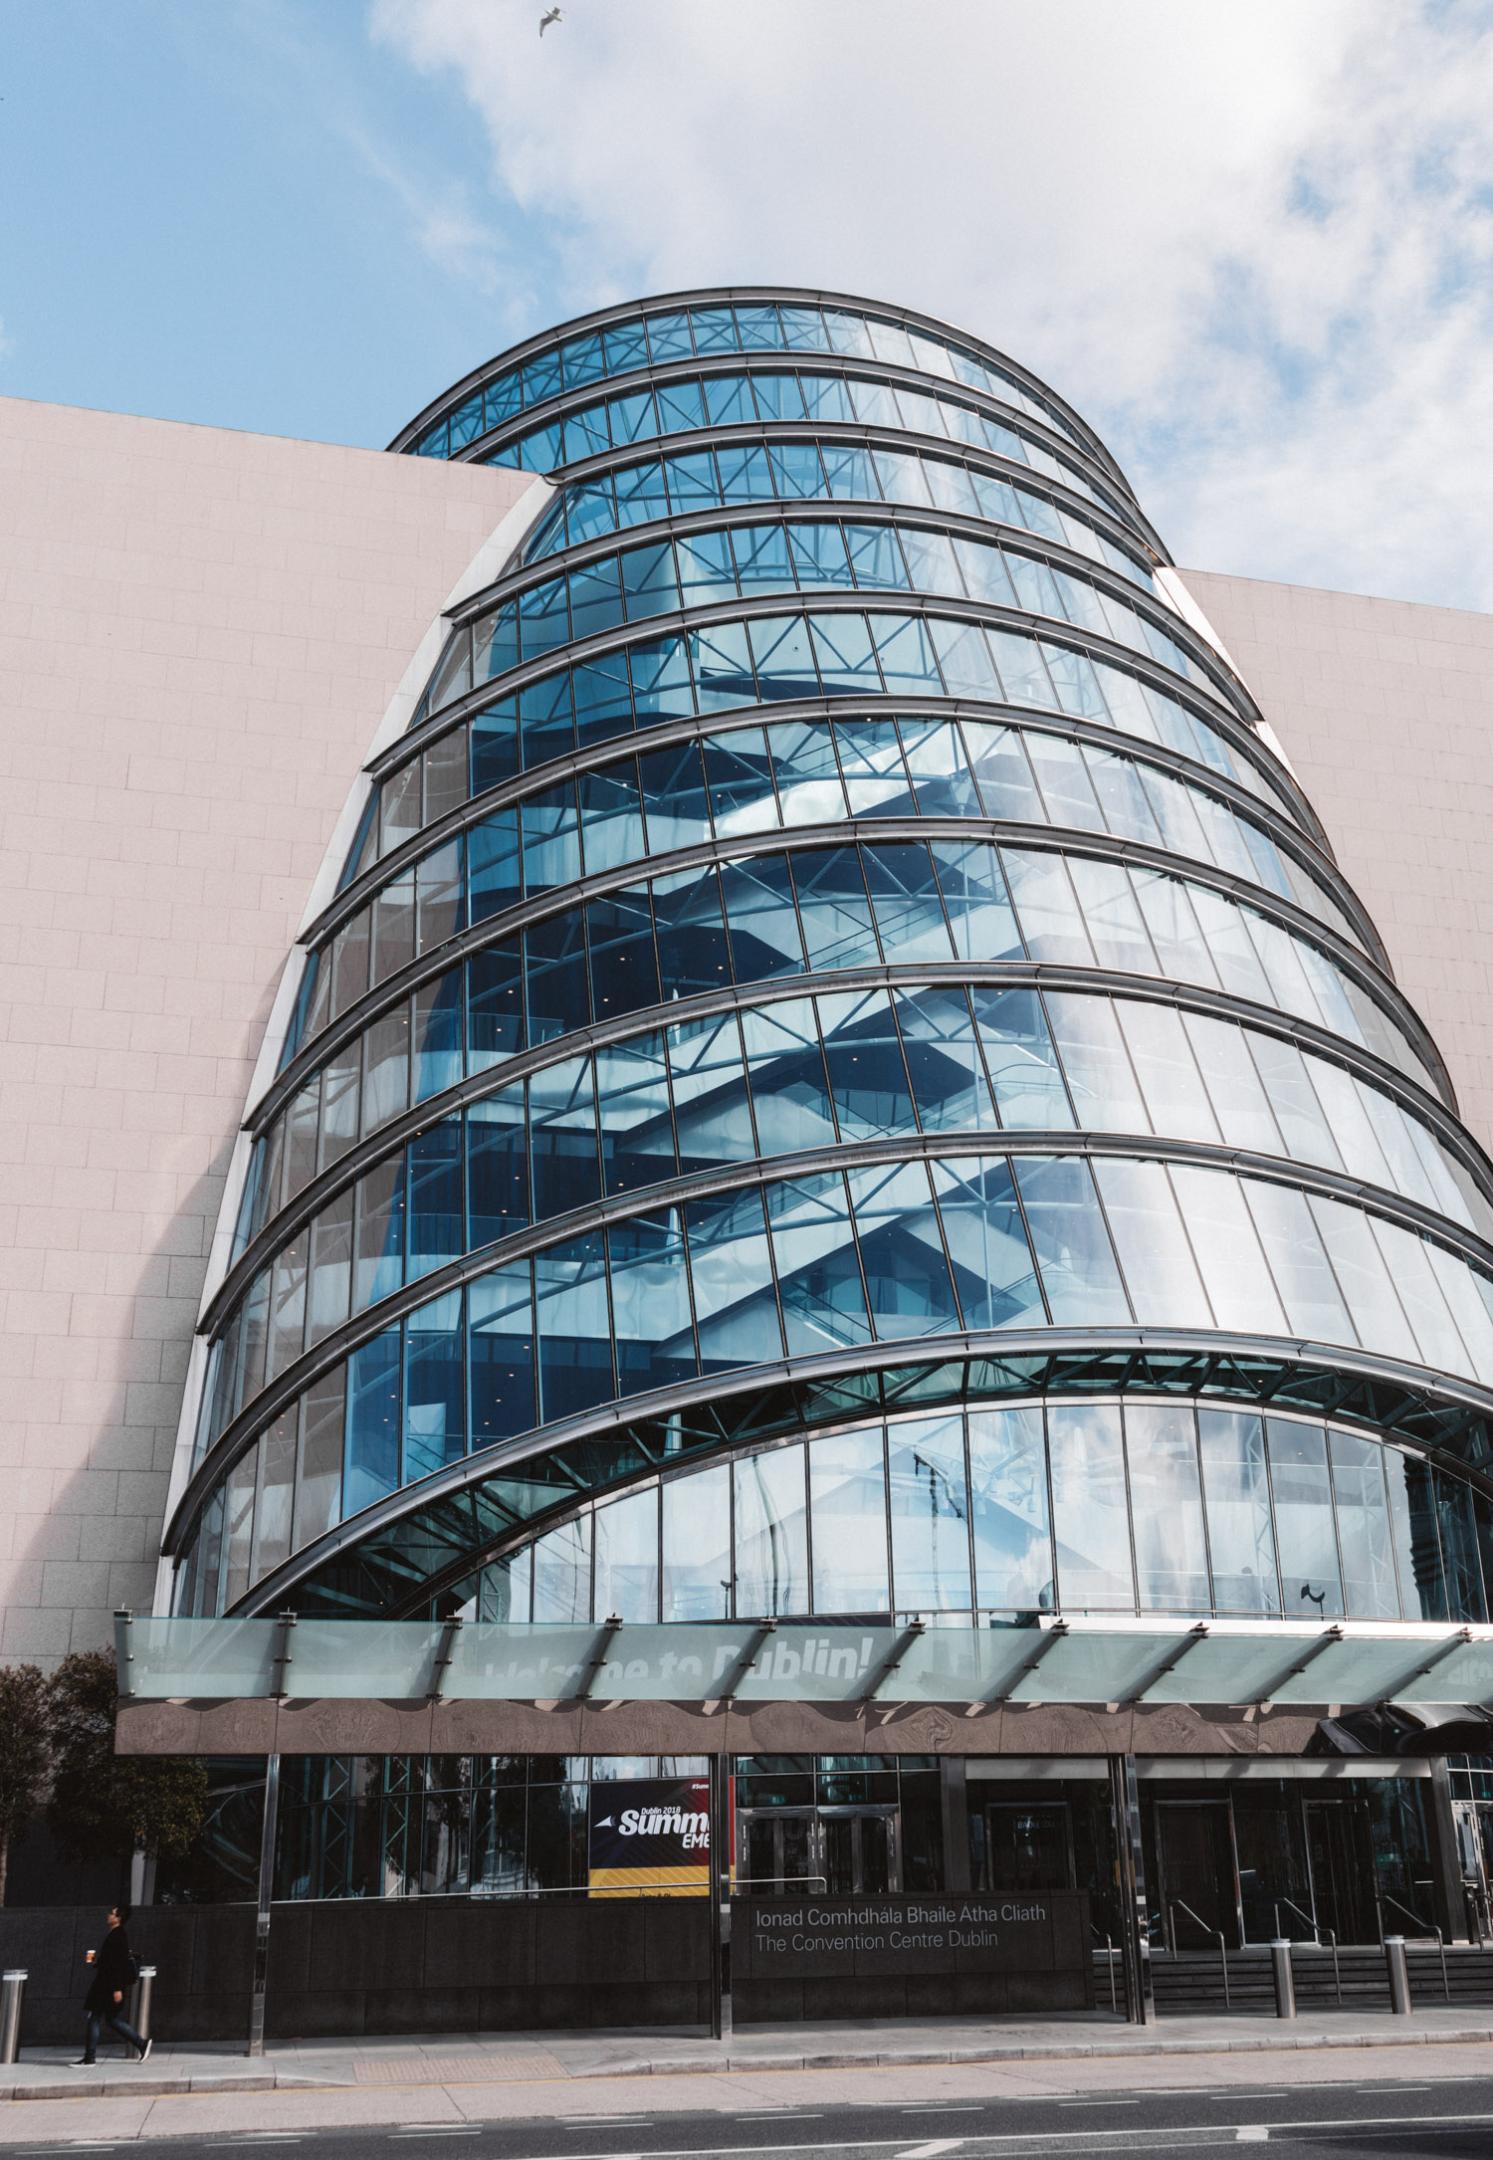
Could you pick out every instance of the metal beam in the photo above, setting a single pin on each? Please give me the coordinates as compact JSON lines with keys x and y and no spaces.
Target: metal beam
{"x":124,"y":1656}
{"x":445,"y":1651}
{"x":742,"y":1664}
{"x":893,"y":1659}
{"x":1130,"y":1865}
{"x":1047,"y":1639}
{"x":596,"y":1657}
{"x":1164,"y":1665}
{"x":283,"y":1654}
{"x":1299,"y":1663}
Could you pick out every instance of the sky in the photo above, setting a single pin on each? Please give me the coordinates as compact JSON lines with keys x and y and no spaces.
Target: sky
{"x":1251,"y":240}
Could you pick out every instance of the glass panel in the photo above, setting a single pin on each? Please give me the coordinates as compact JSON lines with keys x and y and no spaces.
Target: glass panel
{"x":697,"y":1563}
{"x":736,"y":1309}
{"x":1012,"y":1540}
{"x":1089,"y":1511}
{"x":929,"y":1501}
{"x":1158,"y":1260}
{"x":627,"y":1557}
{"x":847,"y":1480}
{"x":987,"y":1243}
{"x":1241,"y":1529}
{"x":772,"y":1551}
{"x":1072,"y":1246}
{"x":1303,"y":1518}
{"x":1171,"y":1553}
{"x":1363,"y":1527}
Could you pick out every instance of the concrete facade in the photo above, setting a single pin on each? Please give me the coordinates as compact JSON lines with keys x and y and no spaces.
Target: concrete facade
{"x":200,"y":634}
{"x":1385,"y":709}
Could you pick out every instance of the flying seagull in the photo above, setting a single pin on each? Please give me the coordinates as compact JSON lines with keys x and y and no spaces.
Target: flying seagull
{"x":554,"y":15}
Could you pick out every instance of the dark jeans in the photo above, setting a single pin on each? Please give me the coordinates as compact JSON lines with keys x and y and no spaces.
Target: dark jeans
{"x":114,"y":2019}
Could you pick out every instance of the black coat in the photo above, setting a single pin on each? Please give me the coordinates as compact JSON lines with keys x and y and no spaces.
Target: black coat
{"x":112,"y":1968}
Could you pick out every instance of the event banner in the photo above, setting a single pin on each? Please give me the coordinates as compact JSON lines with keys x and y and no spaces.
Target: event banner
{"x":650,"y":1835}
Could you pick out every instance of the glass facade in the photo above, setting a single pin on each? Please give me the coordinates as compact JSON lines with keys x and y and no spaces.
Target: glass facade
{"x":839,"y":1078}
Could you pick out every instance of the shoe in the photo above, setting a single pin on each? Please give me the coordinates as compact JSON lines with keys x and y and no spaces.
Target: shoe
{"x":145,"y":2051}
{"x":83,"y":2062}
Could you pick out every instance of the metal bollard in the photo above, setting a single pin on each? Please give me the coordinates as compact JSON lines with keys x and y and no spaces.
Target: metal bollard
{"x":1399,"y":1975}
{"x":12,"y":1989}
{"x":1284,"y":1977}
{"x":140,"y":2001}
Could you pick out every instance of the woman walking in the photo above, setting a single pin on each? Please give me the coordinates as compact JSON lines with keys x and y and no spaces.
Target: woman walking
{"x":113,"y":1976}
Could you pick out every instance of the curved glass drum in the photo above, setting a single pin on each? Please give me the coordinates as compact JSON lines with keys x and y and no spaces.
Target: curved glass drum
{"x":839,"y":1075}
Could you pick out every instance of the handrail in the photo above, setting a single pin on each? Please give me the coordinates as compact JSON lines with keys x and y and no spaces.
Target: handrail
{"x":1319,"y":1929}
{"x":1109,"y":1953}
{"x":1440,"y":1940}
{"x":819,"y":1882}
{"x":1179,"y":1905}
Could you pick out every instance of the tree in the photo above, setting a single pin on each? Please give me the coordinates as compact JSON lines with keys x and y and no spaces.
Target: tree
{"x":25,"y":1755}
{"x":105,"y":1804}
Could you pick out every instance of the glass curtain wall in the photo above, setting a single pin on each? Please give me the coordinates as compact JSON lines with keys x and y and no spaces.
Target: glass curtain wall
{"x":816,"y":794}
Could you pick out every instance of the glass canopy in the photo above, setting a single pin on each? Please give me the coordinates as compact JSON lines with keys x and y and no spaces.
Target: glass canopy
{"x":1106,"y":1662}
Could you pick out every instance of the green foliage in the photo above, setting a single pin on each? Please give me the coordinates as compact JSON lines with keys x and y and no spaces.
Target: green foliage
{"x":25,"y":1754}
{"x":106,"y":1804}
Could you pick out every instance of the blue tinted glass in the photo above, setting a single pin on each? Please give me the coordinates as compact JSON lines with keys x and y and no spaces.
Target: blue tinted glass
{"x":501,"y":1349}
{"x":637,"y":1134}
{"x":785,"y":658}
{"x":745,"y":474}
{"x":819,"y":556}
{"x":907,"y":1275}
{"x":723,"y":667}
{"x":763,"y":927}
{"x":789,"y":1093}
{"x":493,"y":865}
{"x":904,"y":894}
{"x":582,"y":360}
{"x":847,"y":663}
{"x":692,"y":951}
{"x":650,"y":1303}
{"x":735,"y":1310}
{"x":495,"y":1005}
{"x":729,"y":401}
{"x":437,"y":1197}
{"x":795,"y":470}
{"x":837,"y":923}
{"x":373,"y":1422}
{"x":649,"y":584}
{"x":595,"y":601}
{"x":555,"y":976}
{"x":680,"y":406}
{"x":669,"y":338}
{"x":987,"y":1240}
{"x":494,"y":746}
{"x":624,"y":967}
{"x":762,"y":558}
{"x":778,"y":396}
{"x":497,"y":1166}
{"x":943,"y":1058}
{"x":626,"y":346}
{"x":562,"y":1138}
{"x":819,"y":1278}
{"x":573,"y":1327}
{"x":661,"y":682}
{"x":603,"y":705}
{"x":715,"y":329}
{"x":435,"y":1417}
{"x":544,"y":719}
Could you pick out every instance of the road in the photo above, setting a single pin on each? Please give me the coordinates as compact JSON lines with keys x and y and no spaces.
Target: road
{"x":1448,"y":2118}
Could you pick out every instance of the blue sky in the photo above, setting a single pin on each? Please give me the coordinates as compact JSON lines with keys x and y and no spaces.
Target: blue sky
{"x":1254,"y":243}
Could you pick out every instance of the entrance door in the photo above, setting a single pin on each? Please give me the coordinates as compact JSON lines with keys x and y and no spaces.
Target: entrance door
{"x":1199,"y":1887}
{"x":775,"y":1851}
{"x":1342,"y":1866}
{"x":1030,"y":1843}
{"x":859,"y":1849}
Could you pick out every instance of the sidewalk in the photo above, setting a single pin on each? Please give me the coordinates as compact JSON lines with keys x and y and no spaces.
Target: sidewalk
{"x":531,"y":2065}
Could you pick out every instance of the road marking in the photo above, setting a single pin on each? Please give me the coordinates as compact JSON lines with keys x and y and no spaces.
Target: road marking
{"x":926,"y":2152}
{"x":1201,"y":2133}
{"x":1252,"y":2134}
{"x":972,"y":2108}
{"x":1108,"y":2100}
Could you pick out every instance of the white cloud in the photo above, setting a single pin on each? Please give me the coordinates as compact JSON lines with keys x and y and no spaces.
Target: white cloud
{"x":1251,"y":244}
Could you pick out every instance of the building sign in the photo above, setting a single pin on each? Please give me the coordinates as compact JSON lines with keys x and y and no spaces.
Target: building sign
{"x":865,"y":1937}
{"x":650,"y":1834}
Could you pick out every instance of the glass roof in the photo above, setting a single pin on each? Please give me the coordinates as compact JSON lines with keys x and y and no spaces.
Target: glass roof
{"x":1095,"y":1661}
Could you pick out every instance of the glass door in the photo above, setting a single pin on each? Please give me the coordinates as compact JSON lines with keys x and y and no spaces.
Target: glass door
{"x":775,"y":1851}
{"x":859,"y":1851}
{"x":1198,"y":1880}
{"x":1342,"y":1868}
{"x":1030,"y":1843}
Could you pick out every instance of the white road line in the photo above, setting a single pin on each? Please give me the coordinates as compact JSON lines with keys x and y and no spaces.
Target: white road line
{"x":1108,"y":2100}
{"x":969,"y":2108}
{"x":1202,"y":2133}
{"x":1252,"y":2134}
{"x":926,"y":2152}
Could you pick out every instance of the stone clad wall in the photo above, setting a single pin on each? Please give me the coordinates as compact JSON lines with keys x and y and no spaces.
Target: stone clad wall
{"x":200,"y":632}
